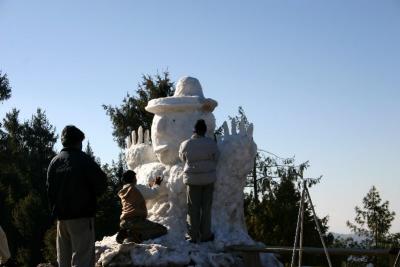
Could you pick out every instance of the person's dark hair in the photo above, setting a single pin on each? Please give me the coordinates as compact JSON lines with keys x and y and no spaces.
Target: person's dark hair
{"x":200,"y":127}
{"x":71,"y":136}
{"x":129,"y":177}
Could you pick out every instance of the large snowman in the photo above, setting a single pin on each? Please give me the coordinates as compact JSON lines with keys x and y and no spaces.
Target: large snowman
{"x":174,"y":118}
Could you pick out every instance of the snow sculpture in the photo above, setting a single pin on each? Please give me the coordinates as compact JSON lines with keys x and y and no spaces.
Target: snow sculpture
{"x":173,"y":123}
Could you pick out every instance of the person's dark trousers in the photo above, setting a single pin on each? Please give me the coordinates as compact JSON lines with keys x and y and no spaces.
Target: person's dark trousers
{"x":139,"y":229}
{"x":199,"y":200}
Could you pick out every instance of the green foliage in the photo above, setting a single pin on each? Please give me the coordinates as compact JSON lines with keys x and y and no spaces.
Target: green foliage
{"x":272,"y":218}
{"x":23,"y":257}
{"x":26,"y":149}
{"x":271,"y":206}
{"x":132,"y":114}
{"x":30,"y":218}
{"x":88,"y":150}
{"x":28,"y":214}
{"x":372,"y":222}
{"x":5,"y":88}
{"x":108,"y":205}
{"x":50,"y":250}
{"x":107,"y":214}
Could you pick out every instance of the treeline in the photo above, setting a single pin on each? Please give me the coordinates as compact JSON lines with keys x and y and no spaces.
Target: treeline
{"x":26,"y":148}
{"x":272,"y":213}
{"x":272,"y":197}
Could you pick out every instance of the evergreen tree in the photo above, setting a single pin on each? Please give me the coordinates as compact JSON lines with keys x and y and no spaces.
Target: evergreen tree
{"x":131,"y":113}
{"x":272,"y":203}
{"x":26,"y":150}
{"x":89,"y":151}
{"x":108,"y":205}
{"x":5,"y":88}
{"x":39,"y":139}
{"x":49,"y":249}
{"x":373,"y":220}
{"x":272,"y":218}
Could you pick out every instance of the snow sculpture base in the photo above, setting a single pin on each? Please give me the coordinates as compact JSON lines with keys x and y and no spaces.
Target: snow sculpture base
{"x":154,"y":254}
{"x":109,"y":253}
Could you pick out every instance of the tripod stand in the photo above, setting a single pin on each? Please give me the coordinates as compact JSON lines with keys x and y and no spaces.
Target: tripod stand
{"x":305,"y":195}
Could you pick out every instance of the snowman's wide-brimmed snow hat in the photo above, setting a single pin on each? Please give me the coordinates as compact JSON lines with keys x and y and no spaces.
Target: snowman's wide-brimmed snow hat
{"x":188,"y":96}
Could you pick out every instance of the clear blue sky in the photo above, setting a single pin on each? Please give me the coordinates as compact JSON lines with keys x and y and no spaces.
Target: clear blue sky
{"x":320,"y":80}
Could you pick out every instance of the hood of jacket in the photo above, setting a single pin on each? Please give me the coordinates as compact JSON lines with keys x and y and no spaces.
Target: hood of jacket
{"x":123,"y":193}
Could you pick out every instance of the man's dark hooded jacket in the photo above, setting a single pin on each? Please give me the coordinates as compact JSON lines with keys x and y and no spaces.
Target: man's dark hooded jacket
{"x":73,"y":182}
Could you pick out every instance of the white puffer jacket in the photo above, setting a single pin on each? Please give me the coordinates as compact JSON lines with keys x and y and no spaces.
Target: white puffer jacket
{"x":200,"y":155}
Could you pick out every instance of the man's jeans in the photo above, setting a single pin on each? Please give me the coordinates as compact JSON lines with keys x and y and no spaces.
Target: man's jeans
{"x":199,"y":200}
{"x":75,"y":243}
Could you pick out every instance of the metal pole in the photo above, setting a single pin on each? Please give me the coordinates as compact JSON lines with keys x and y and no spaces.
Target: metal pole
{"x":397,"y":259}
{"x":297,"y":230}
{"x":318,"y":228}
{"x":301,"y":227}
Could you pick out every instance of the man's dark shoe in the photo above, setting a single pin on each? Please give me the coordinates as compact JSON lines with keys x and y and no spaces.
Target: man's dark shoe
{"x":209,"y":239}
{"x":133,"y":238}
{"x":121,"y":235}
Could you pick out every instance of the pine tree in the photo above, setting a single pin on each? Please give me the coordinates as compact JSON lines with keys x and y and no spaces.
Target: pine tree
{"x":39,"y":139}
{"x":272,"y":203}
{"x":373,"y":220}
{"x":26,"y":150}
{"x":272,"y":219}
{"x":5,"y":88}
{"x":89,"y":151}
{"x":131,"y":113}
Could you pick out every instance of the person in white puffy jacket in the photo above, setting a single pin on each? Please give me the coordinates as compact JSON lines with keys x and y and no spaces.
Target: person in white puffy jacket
{"x":200,"y":155}
{"x":4,"y":250}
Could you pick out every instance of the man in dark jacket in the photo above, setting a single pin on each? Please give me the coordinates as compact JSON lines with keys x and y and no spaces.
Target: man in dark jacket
{"x":200,"y":155}
{"x":74,"y":181}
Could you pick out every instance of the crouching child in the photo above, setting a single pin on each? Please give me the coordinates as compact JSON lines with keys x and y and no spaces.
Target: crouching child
{"x":134,"y":226}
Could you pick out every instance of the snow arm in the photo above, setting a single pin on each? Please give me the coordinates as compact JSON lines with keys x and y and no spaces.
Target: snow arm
{"x":148,"y":192}
{"x":139,"y":150}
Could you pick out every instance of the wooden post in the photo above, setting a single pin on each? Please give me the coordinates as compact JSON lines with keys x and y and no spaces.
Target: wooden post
{"x":297,"y":231}
{"x":318,"y":228}
{"x":392,"y":260}
{"x":395,"y":260}
{"x":301,"y":225}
